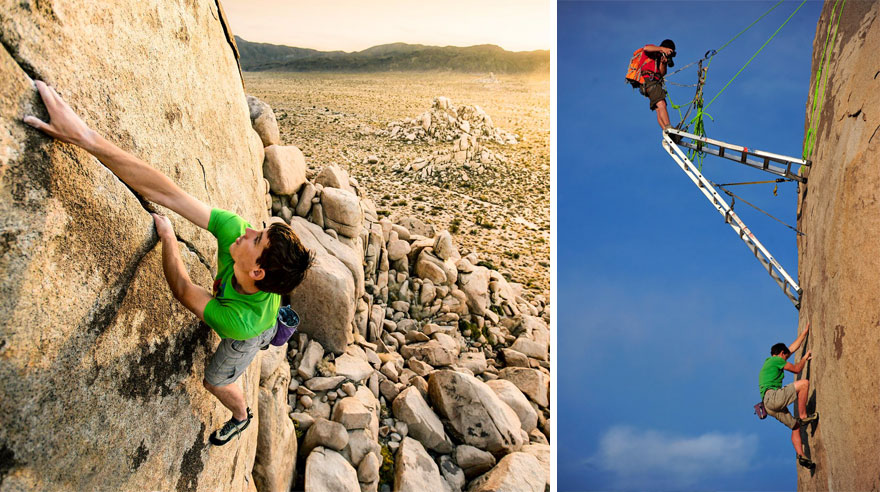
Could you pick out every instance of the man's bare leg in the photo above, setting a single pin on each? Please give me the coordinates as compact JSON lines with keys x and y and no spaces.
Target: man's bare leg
{"x":662,"y":114}
{"x":231,"y":396}
{"x":796,"y":441}
{"x":803,"y":389}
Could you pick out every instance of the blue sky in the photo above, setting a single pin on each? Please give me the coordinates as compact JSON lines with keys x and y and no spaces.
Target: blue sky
{"x":664,"y":317}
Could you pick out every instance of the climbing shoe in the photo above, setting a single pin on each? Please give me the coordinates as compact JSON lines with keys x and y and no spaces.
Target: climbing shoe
{"x":231,"y":429}
{"x":805,"y":462}
{"x":809,"y":418}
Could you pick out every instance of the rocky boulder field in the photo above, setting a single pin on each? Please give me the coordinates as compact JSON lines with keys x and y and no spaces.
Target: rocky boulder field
{"x":466,"y":153}
{"x":417,"y":364}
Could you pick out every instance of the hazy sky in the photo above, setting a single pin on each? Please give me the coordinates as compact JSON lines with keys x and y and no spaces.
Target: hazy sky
{"x":354,"y":25}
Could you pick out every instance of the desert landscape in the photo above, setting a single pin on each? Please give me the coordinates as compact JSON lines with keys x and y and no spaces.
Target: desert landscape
{"x":499,"y":208}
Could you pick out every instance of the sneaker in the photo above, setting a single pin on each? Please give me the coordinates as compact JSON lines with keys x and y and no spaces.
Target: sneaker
{"x":231,"y":429}
{"x":805,"y":462}
{"x":809,"y":418}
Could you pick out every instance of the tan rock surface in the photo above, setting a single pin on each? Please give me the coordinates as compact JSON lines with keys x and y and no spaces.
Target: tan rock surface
{"x":115,"y":351}
{"x":839,"y":261}
{"x":275,"y":461}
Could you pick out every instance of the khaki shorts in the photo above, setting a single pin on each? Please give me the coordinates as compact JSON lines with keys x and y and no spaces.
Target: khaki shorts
{"x":233,"y":356}
{"x":654,"y":91}
{"x":776,"y":401}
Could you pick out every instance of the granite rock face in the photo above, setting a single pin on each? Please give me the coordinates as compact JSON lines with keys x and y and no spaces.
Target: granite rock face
{"x":79,"y":262}
{"x":838,"y":261}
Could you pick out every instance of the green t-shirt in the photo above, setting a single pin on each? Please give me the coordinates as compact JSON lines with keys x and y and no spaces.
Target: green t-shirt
{"x":229,"y":313}
{"x":771,"y":374}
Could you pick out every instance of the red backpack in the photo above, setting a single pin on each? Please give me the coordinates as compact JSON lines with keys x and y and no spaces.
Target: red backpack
{"x":641,"y":67}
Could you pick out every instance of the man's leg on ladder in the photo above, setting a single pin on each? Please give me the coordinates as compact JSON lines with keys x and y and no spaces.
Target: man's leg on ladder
{"x":662,"y":114}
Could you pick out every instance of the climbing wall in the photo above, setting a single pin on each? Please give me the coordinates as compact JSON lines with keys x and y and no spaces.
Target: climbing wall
{"x":100,"y":368}
{"x":839,"y":211}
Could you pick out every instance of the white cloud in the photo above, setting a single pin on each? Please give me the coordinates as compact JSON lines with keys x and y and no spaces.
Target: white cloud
{"x":653,"y":460}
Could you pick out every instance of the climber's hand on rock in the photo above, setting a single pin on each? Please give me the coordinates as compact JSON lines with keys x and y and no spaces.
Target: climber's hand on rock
{"x":64,"y":124}
{"x":808,"y":355}
{"x":163,"y":226}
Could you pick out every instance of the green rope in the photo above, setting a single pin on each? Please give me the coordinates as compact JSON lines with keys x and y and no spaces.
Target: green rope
{"x":709,"y":57}
{"x":756,"y":54}
{"x":818,"y":98}
{"x":749,"y":26}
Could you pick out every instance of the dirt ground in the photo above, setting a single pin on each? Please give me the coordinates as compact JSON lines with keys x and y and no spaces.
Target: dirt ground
{"x":503,"y":213}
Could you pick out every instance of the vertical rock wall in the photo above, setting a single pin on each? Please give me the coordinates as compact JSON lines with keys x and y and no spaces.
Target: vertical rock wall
{"x":100,"y":368}
{"x":839,"y":264}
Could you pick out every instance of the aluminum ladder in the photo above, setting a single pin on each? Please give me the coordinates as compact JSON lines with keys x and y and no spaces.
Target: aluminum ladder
{"x":789,"y":287}
{"x":753,"y":158}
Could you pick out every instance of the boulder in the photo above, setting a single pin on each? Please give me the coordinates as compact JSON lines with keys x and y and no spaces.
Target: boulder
{"x":276,"y":440}
{"x":431,"y":352}
{"x":325,"y":300}
{"x":535,"y":329}
{"x":531,"y":348}
{"x":263,"y":121}
{"x":324,"y":383}
{"x":532,"y":382}
{"x":351,"y":413}
{"x":304,"y":204}
{"x":444,"y":247}
{"x":542,"y":453}
{"x":285,"y":168}
{"x":475,"y":286}
{"x":342,"y":212}
{"x":429,"y":270}
{"x":351,"y":257}
{"x":368,"y":469}
{"x":334,"y":177}
{"x":415,"y":226}
{"x":475,"y":412}
{"x":512,"y":358}
{"x":510,"y":394}
{"x":451,"y":472}
{"x":327,"y":471}
{"x":398,"y":249}
{"x":314,"y":352}
{"x":514,"y":473}
{"x":352,"y":368}
{"x":324,"y":433}
{"x":423,"y":424}
{"x":360,"y":444}
{"x":473,"y":361}
{"x":271,"y":359}
{"x":473,"y":461}
{"x":415,"y":471}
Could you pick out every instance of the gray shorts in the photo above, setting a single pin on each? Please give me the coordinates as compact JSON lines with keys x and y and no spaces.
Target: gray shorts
{"x":233,"y":356}
{"x":776,"y":401}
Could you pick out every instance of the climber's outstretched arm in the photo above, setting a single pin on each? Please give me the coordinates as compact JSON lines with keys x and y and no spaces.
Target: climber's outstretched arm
{"x":796,"y":344}
{"x":65,"y":125}
{"x":192,"y":296}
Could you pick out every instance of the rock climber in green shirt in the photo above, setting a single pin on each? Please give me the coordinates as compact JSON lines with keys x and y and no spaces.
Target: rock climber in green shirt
{"x":776,"y":398}
{"x":254,"y":266}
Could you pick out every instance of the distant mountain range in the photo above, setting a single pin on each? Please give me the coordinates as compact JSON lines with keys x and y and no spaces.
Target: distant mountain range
{"x":256,"y":57}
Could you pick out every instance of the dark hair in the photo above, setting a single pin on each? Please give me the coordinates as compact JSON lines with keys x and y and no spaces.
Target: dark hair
{"x":779,"y":348}
{"x":667,"y":43}
{"x":285,"y":261}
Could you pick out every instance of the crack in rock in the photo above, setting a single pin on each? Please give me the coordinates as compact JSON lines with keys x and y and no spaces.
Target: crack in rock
{"x":190,"y":246}
{"x":107,"y":306}
{"x":25,"y":67}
